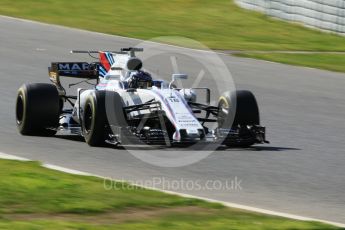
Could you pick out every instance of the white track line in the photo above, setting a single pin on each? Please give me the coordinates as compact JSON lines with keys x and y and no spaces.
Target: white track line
{"x":227,"y":204}
{"x":66,"y":170}
{"x":12,"y":157}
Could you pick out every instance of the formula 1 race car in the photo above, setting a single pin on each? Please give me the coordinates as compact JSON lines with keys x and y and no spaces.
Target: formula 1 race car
{"x":127,"y":106}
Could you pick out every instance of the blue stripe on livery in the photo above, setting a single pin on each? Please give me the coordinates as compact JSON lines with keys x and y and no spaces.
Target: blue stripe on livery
{"x":110,"y":58}
{"x":102,"y":72}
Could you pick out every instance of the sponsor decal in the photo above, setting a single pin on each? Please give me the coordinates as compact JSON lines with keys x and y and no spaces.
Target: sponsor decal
{"x":79,"y":66}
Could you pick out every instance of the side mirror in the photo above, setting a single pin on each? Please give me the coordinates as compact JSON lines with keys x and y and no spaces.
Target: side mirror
{"x":177,"y":76}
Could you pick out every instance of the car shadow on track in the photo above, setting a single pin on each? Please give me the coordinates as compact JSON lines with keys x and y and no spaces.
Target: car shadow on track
{"x":273,"y":148}
{"x":70,"y":138}
{"x":197,"y":147}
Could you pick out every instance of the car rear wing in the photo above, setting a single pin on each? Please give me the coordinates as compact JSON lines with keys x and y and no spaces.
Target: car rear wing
{"x":74,"y":70}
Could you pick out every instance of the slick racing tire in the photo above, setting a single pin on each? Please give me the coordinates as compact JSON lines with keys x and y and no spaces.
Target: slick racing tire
{"x":246,"y":112}
{"x":115,"y":112}
{"x":94,"y":120}
{"x":117,"y":120}
{"x":37,"y":109}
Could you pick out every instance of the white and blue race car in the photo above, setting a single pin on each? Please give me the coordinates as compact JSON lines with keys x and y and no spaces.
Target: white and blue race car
{"x":127,"y":106}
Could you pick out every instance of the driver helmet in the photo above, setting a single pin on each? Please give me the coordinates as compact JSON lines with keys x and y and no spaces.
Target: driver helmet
{"x":140,"y":80}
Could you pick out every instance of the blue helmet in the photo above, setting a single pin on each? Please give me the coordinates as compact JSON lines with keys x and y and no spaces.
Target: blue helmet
{"x":140,"y":80}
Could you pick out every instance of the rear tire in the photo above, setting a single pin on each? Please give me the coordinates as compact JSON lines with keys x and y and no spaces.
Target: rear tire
{"x":37,"y":109}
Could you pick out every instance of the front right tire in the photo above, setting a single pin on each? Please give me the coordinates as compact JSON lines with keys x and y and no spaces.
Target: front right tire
{"x":236,"y":109}
{"x":244,"y":112}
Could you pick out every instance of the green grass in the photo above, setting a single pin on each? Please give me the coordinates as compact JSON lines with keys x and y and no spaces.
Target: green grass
{"x":32,"y":197}
{"x":333,"y":62}
{"x":219,"y":24}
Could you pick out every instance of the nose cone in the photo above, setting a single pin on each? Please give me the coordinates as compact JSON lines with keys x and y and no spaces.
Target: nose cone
{"x":184,"y":135}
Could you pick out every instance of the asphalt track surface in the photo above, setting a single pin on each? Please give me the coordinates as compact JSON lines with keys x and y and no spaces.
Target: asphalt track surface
{"x":301,"y":172}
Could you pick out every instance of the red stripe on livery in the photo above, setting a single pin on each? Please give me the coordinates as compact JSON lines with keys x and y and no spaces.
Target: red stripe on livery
{"x":104,"y":61}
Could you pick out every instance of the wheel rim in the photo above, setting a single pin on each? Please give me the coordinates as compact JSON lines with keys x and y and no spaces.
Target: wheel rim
{"x":223,"y":113}
{"x":88,"y":118}
{"x":20,"y":110}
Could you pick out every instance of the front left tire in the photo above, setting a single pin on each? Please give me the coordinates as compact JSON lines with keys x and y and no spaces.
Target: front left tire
{"x":94,"y":120}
